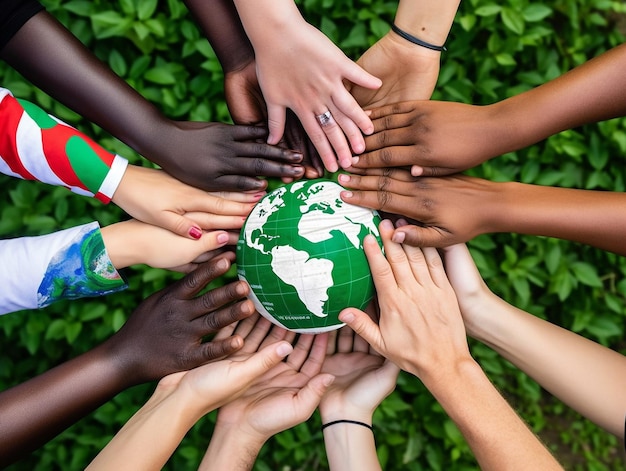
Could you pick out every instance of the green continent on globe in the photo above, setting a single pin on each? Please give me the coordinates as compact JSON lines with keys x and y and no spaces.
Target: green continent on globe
{"x":301,"y":252}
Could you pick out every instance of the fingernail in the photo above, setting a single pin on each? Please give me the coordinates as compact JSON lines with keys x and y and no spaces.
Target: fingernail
{"x":222,"y":238}
{"x":346,"y":317}
{"x":241,"y":289}
{"x":398,"y":237}
{"x":343,"y":178}
{"x":386,"y":224}
{"x":346,"y":194}
{"x":328,"y":380}
{"x":355,"y":160}
{"x":345,"y":163}
{"x":195,"y":232}
{"x":284,"y":349}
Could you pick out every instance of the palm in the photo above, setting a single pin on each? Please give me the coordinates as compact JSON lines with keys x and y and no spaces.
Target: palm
{"x":358,"y":379}
{"x":271,"y":404}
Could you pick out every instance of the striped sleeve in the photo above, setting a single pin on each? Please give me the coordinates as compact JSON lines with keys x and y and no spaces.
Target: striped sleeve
{"x":68,"y":264}
{"x":36,"y":146}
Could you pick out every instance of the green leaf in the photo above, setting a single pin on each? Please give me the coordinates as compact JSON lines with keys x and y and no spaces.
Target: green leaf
{"x":513,"y":20}
{"x":586,"y":274}
{"x":72,"y":330}
{"x":79,"y":7}
{"x":536,"y":12}
{"x":117,"y":63}
{"x":488,"y":10}
{"x":160,"y":75}
{"x":146,"y":8}
{"x":56,"y":330}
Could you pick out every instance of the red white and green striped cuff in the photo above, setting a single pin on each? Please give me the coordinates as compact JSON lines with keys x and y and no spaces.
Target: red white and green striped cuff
{"x":37,"y":146}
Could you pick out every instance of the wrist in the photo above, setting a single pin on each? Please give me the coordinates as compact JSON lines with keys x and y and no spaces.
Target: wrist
{"x":119,"y":241}
{"x":231,"y":449}
{"x":416,"y":40}
{"x":430,"y":21}
{"x":444,"y":378}
{"x":330,"y":412}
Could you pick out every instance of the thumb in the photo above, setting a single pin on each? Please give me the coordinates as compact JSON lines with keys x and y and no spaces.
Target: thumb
{"x":276,"y":117}
{"x":309,"y":397}
{"x":364,"y":326}
{"x":263,"y":361}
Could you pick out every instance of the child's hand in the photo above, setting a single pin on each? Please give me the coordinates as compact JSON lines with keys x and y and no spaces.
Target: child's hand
{"x":134,"y":242}
{"x":154,"y":197}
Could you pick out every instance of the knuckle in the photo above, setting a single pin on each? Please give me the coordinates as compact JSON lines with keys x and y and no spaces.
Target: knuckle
{"x":384,"y":199}
{"x":213,"y":350}
{"x":386,"y":156}
{"x":427,"y":204}
{"x":259,"y":167}
{"x":213,"y":322}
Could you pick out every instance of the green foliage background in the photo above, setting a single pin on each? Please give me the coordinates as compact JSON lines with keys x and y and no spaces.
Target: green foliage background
{"x":495,"y":50}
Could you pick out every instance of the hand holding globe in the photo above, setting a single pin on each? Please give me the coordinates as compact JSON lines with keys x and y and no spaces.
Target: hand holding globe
{"x":301,"y":252}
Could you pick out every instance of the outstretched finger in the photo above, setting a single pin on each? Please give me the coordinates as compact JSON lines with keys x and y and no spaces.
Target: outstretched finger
{"x":222,"y":297}
{"x":214,"y":321}
{"x":394,"y":109}
{"x":429,"y":236}
{"x":276,"y":116}
{"x":329,"y":118}
{"x":385,"y":157}
{"x":395,"y":255}
{"x":319,"y":140}
{"x":363,"y":326}
{"x":313,"y":364}
{"x":301,"y":351}
{"x":194,"y":282}
{"x":215,"y":349}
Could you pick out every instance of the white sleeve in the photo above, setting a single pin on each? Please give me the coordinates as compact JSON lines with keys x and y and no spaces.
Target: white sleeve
{"x":68,"y":264}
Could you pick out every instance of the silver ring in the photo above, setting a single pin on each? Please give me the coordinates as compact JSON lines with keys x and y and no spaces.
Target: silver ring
{"x":324,"y":118}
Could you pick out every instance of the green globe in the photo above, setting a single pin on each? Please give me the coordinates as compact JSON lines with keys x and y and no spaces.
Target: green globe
{"x":301,"y":252}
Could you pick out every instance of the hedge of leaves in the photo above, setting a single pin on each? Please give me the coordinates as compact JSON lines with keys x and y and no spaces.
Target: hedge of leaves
{"x":495,"y":50}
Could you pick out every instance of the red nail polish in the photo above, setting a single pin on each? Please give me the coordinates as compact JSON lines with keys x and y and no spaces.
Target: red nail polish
{"x":195,"y":232}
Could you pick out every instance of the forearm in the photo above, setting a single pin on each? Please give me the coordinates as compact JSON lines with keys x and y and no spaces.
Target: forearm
{"x":429,"y":20}
{"x":220,"y":24}
{"x":230,"y":450}
{"x":53,"y":59}
{"x":588,"y":377}
{"x":350,"y":447}
{"x":37,"y":146}
{"x":592,"y":92}
{"x":596,"y":218}
{"x":68,"y":264}
{"x":34,"y":412}
{"x":498,"y":437}
{"x":150,"y":437}
{"x":263,"y":18}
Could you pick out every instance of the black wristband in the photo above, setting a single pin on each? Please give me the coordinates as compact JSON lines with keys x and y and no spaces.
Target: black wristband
{"x":415,"y":40}
{"x":346,"y":421}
